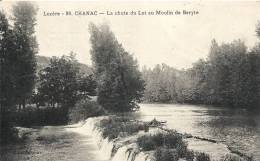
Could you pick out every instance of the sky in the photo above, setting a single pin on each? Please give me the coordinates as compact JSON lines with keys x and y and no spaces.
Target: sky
{"x":177,"y":40}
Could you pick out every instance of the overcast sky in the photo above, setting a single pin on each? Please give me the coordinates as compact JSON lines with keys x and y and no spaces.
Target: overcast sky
{"x":175,"y":40}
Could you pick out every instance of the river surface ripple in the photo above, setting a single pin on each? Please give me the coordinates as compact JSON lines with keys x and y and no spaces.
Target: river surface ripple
{"x":238,"y":128}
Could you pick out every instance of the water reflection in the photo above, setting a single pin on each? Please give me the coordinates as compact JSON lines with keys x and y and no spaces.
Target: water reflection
{"x":238,"y":129}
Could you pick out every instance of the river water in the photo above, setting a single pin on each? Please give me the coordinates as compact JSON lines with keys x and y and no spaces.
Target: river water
{"x":238,"y":129}
{"x":52,"y":143}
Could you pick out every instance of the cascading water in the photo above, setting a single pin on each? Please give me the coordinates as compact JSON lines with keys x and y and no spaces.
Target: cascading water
{"x":121,"y":154}
{"x":106,"y":146}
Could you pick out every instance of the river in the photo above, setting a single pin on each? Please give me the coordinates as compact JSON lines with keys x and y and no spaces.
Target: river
{"x":52,"y":143}
{"x":237,"y":129}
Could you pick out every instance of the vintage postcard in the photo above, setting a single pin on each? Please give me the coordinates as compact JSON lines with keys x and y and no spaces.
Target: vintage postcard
{"x":129,"y":80}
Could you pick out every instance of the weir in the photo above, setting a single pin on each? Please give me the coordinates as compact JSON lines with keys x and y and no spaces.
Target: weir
{"x":125,"y":149}
{"x":127,"y":152}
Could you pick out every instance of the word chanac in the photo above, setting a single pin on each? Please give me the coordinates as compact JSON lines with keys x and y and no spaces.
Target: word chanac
{"x":86,"y":13}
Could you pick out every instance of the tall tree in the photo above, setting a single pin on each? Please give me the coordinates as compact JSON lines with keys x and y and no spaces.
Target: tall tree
{"x":24,"y":17}
{"x":119,"y":83}
{"x":7,"y":78}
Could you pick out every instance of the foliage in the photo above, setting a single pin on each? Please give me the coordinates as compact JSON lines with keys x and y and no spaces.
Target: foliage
{"x":119,"y":82}
{"x":168,"y":140}
{"x":84,"y":109}
{"x":44,"y":61}
{"x":7,"y":69}
{"x":230,"y":76}
{"x":230,"y":157}
{"x":31,"y":116}
{"x":258,"y":29}
{"x":114,"y":127}
{"x":58,"y":82}
{"x":167,"y":146}
{"x":26,"y":47}
{"x":61,"y":84}
{"x":17,"y":57}
{"x":164,"y":154}
{"x":160,"y":83}
{"x":8,"y":134}
{"x":202,"y":156}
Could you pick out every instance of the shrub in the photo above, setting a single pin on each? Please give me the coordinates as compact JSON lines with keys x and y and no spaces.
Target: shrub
{"x":202,"y":157}
{"x":112,"y":127}
{"x":168,"y":146}
{"x":7,"y":131}
{"x":230,"y":157}
{"x":40,"y":116}
{"x":164,"y":154}
{"x":169,"y":140}
{"x":189,"y":155}
{"x":8,"y":135}
{"x":85,"y":109}
{"x":146,"y":143}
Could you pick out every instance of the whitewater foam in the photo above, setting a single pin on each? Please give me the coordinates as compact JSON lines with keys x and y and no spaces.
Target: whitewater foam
{"x":106,"y":146}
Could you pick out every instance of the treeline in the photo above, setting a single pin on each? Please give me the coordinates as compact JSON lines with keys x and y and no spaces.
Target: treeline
{"x":230,"y":76}
{"x":64,"y":88}
{"x":60,"y":89}
{"x":31,"y":94}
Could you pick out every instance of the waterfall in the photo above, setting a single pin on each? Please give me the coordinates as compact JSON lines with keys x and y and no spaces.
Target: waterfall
{"x":105,"y":146}
{"x":121,"y":154}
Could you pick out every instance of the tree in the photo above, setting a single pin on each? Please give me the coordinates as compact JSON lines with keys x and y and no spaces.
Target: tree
{"x":6,"y":38}
{"x":254,"y":77}
{"x":24,"y":18}
{"x":258,"y":29}
{"x":58,"y":82}
{"x":228,"y":76}
{"x":61,"y":85}
{"x":119,"y":83}
{"x":160,"y":84}
{"x":86,"y":85}
{"x":7,"y":78}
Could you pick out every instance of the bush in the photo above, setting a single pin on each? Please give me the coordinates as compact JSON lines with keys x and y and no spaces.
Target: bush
{"x":169,"y":140}
{"x":8,"y":135}
{"x":38,"y":117}
{"x":229,"y":157}
{"x":202,"y":157}
{"x":114,"y":126}
{"x":168,"y":146}
{"x":85,"y":109}
{"x":189,"y":155}
{"x":164,"y":154}
{"x":7,"y":132}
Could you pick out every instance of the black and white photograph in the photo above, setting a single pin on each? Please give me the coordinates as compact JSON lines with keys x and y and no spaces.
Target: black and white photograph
{"x":128,"y":80}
